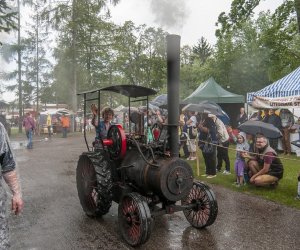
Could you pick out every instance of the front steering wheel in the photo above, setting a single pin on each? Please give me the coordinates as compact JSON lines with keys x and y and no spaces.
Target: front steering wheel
{"x":117,"y":138}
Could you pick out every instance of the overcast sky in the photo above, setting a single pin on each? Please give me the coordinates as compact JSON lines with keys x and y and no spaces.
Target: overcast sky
{"x":190,"y":19}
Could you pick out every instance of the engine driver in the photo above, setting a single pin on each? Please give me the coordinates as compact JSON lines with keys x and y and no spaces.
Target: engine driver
{"x":102,"y":125}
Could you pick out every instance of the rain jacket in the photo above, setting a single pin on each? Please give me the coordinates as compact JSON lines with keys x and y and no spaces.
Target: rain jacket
{"x":7,"y":163}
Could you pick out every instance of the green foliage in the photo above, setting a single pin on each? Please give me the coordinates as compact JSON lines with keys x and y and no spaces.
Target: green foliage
{"x":140,"y":55}
{"x":240,"y":12}
{"x":252,"y":53}
{"x":8,"y":17}
{"x":84,"y":41}
{"x":202,"y":51}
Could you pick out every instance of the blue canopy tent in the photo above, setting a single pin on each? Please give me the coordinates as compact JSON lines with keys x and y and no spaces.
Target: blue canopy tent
{"x":289,"y":85}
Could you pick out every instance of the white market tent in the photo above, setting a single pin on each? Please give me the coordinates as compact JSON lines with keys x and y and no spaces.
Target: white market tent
{"x":287,"y":87}
{"x":284,"y":93}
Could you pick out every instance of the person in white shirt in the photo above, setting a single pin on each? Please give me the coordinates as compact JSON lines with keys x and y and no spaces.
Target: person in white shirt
{"x":191,"y":140}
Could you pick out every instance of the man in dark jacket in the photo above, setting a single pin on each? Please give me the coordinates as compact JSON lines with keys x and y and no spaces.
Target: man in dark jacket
{"x":207,"y":144}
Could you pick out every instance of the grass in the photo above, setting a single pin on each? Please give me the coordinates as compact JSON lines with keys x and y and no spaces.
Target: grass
{"x":284,"y":193}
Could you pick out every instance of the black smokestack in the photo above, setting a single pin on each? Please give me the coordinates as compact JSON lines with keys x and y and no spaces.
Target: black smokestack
{"x":173,"y":67}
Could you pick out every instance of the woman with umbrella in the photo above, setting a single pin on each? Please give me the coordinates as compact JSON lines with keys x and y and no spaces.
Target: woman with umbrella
{"x":207,"y":142}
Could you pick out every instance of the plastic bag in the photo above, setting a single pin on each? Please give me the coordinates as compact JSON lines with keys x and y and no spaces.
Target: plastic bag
{"x":208,"y":147}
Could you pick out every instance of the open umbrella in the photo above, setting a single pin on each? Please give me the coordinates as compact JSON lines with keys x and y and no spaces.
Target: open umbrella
{"x":160,"y":101}
{"x":203,"y":108}
{"x":254,"y":127}
{"x":126,"y":109}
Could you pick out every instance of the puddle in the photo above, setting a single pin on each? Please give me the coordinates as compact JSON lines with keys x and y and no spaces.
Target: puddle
{"x":18,"y":144}
{"x":22,"y":144}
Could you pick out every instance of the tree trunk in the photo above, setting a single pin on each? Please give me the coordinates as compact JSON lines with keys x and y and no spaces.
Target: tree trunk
{"x":297,"y":7}
{"x":37,"y":61}
{"x":19,"y":71}
{"x":74,"y":76}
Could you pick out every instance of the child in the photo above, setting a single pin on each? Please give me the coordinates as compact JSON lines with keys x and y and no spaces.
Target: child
{"x":191,"y":138}
{"x":240,"y":164}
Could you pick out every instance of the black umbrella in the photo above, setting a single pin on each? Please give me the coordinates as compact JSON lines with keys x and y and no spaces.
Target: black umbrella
{"x":160,"y":101}
{"x":203,"y":108}
{"x":255,"y":127}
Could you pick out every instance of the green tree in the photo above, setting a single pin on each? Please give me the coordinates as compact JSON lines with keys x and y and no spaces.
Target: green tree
{"x":297,"y":8}
{"x":79,"y":23}
{"x":240,"y":12}
{"x":202,"y":50}
{"x":140,"y":55}
{"x":8,"y":17}
{"x":252,"y":53}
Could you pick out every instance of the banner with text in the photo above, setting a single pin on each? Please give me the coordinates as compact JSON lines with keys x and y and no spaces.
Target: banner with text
{"x":276,"y":103}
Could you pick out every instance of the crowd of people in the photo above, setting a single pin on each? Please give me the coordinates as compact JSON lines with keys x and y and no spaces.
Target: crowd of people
{"x":284,"y":121}
{"x":32,"y":126}
{"x":257,"y":160}
{"x":256,"y":156}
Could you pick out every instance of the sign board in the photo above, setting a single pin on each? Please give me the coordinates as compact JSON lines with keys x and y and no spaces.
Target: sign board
{"x":276,"y":103}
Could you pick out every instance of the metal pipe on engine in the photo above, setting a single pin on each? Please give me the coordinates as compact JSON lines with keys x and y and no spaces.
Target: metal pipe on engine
{"x":173,"y":74}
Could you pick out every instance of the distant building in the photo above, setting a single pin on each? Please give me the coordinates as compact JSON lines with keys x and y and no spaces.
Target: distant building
{"x":53,"y":106}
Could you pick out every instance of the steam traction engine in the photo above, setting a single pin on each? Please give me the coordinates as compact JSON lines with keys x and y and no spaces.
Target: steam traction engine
{"x":146,"y":179}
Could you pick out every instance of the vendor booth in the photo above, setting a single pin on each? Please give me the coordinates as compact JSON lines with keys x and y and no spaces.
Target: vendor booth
{"x":55,"y":120}
{"x":283,"y":89}
{"x":282,"y":94}
{"x":210,"y":90}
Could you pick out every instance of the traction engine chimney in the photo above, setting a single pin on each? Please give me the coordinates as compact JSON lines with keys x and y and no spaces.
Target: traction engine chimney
{"x":173,"y":68}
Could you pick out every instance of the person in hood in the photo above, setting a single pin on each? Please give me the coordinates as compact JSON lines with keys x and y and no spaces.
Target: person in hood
{"x":242,"y":147}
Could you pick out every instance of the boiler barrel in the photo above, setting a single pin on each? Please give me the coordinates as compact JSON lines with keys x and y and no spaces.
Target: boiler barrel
{"x":171,"y":180}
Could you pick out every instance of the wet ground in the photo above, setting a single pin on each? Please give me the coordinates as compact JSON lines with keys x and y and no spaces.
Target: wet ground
{"x":54,"y":219}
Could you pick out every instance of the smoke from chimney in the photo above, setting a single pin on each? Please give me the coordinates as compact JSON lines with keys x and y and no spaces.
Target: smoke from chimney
{"x":169,"y":14}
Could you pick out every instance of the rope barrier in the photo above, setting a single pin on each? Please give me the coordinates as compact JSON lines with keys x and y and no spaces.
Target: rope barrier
{"x":233,"y":149}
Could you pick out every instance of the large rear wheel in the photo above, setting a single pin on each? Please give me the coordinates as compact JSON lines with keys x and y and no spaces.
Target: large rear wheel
{"x":94,"y":183}
{"x":135,"y":220}
{"x":205,"y":209}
